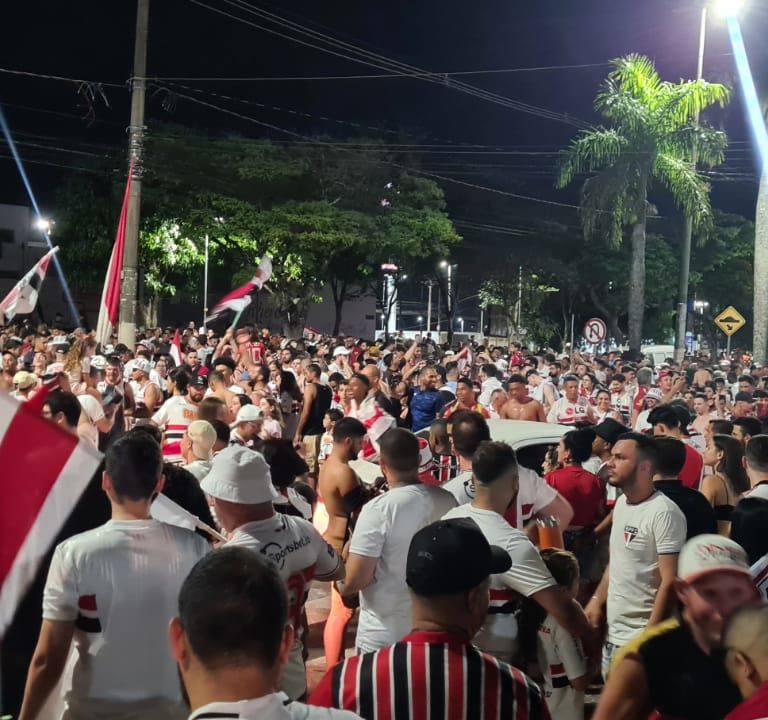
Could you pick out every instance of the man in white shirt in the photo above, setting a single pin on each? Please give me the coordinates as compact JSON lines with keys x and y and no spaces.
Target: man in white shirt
{"x":647,"y":535}
{"x":535,"y":498}
{"x":489,"y":379}
{"x":380,"y":541}
{"x":230,"y":654}
{"x":495,"y":473}
{"x":176,"y":414}
{"x":240,"y":485}
{"x":113,"y":590}
{"x":572,"y":408}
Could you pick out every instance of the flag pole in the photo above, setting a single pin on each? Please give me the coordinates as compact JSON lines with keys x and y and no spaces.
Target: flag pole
{"x":237,"y":318}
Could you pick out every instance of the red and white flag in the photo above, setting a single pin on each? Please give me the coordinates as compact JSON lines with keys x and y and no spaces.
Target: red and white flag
{"x":109,"y":309}
{"x":175,"y":351}
{"x":23,"y":298}
{"x":240,"y":298}
{"x":56,"y":468}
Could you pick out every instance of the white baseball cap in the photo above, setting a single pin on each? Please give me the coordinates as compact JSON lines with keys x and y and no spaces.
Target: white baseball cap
{"x":143,"y":365}
{"x":203,"y":437}
{"x":711,"y":553}
{"x":240,"y":475}
{"x":247,"y":413}
{"x":98,"y":362}
{"x":340,"y":351}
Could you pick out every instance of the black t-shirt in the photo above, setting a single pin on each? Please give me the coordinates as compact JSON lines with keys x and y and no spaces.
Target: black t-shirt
{"x":683,"y":682}
{"x":699,"y":514}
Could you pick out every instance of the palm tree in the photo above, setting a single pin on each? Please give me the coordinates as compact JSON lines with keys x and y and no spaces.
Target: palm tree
{"x":650,"y":139}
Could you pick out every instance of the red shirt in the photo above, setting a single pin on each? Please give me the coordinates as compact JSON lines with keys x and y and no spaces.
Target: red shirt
{"x":755,"y":708}
{"x":690,"y":475}
{"x":430,"y":675}
{"x":583,"y":490}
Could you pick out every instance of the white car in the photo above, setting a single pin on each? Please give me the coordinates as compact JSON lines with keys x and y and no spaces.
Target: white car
{"x":530,"y":440}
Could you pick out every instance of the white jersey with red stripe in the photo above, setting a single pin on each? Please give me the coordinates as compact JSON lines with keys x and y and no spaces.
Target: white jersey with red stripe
{"x":376,"y":422}
{"x":561,"y":660}
{"x":119,"y":584}
{"x":174,"y":417}
{"x":300,"y":554}
{"x":527,"y":576}
{"x":533,"y":495}
{"x":565,"y":412}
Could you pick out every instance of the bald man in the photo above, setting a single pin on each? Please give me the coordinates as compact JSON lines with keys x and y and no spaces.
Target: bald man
{"x":380,"y":390}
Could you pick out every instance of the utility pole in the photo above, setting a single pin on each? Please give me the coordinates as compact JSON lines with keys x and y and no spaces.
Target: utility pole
{"x":430,"y":284}
{"x":129,"y":284}
{"x":685,"y":261}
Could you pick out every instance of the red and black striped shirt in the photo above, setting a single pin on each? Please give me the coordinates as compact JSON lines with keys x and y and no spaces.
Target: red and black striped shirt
{"x":430,"y":676}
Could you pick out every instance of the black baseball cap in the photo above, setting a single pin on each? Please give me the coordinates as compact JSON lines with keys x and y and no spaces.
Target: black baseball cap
{"x":610,"y":430}
{"x":449,"y":557}
{"x":199,"y":381}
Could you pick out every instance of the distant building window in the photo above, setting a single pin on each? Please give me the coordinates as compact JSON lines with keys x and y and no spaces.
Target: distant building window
{"x":6,"y":238}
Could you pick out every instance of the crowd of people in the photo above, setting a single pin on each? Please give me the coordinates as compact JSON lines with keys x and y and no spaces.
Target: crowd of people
{"x":630,"y":558}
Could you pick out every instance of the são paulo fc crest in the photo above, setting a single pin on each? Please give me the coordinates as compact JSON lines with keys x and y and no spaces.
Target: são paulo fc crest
{"x":630,"y":533}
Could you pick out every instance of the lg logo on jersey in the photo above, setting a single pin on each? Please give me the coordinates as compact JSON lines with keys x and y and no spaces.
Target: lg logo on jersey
{"x":277,"y":553}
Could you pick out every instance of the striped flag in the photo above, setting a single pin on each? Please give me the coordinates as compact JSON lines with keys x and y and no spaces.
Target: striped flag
{"x":109,"y":309}
{"x":175,"y":351}
{"x":240,"y":298}
{"x":23,"y":298}
{"x":55,"y":468}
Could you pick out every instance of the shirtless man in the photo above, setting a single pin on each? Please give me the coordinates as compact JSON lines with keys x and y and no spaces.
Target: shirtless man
{"x":701,"y":408}
{"x":146,"y":393}
{"x":218,"y":387}
{"x":343,"y":494}
{"x":520,"y":406}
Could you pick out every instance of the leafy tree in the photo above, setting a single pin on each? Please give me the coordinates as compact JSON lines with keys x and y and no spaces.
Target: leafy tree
{"x":650,"y":139}
{"x":324,"y":215}
{"x":524,"y":320}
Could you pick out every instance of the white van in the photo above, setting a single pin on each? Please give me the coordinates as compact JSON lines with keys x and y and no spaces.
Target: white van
{"x":658,"y":353}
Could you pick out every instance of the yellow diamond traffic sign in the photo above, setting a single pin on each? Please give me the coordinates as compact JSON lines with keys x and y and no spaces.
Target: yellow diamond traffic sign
{"x":730,"y":320}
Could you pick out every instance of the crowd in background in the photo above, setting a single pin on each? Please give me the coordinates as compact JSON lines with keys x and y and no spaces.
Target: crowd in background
{"x":509,"y":582}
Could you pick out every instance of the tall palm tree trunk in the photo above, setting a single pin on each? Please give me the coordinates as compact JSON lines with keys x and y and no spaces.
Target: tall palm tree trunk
{"x":760,"y":299}
{"x":637,"y":279}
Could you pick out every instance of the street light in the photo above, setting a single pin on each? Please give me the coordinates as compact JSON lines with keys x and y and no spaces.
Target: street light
{"x":43,"y":225}
{"x":419,"y":320}
{"x":461,"y":322}
{"x":728,"y":8}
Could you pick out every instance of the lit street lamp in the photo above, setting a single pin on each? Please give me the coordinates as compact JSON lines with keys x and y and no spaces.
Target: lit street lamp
{"x":724,"y":8}
{"x":43,"y":225}
{"x":419,"y":320}
{"x":461,"y":322}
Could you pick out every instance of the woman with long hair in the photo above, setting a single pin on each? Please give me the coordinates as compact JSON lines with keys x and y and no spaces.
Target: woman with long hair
{"x":76,"y":363}
{"x":273,"y":425}
{"x":724,"y":455}
{"x":290,"y":402}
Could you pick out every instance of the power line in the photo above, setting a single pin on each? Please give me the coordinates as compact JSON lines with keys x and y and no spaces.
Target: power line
{"x":320,"y":143}
{"x":384,"y":76}
{"x":79,"y":81}
{"x":378,"y":61}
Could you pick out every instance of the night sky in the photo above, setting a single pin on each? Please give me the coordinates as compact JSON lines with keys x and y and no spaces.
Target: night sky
{"x":93,"y":40}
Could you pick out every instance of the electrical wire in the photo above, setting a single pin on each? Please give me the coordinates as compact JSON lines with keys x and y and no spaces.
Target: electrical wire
{"x":42,"y":76}
{"x":379,"y":61}
{"x":385,"y":76}
{"x":436,"y":176}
